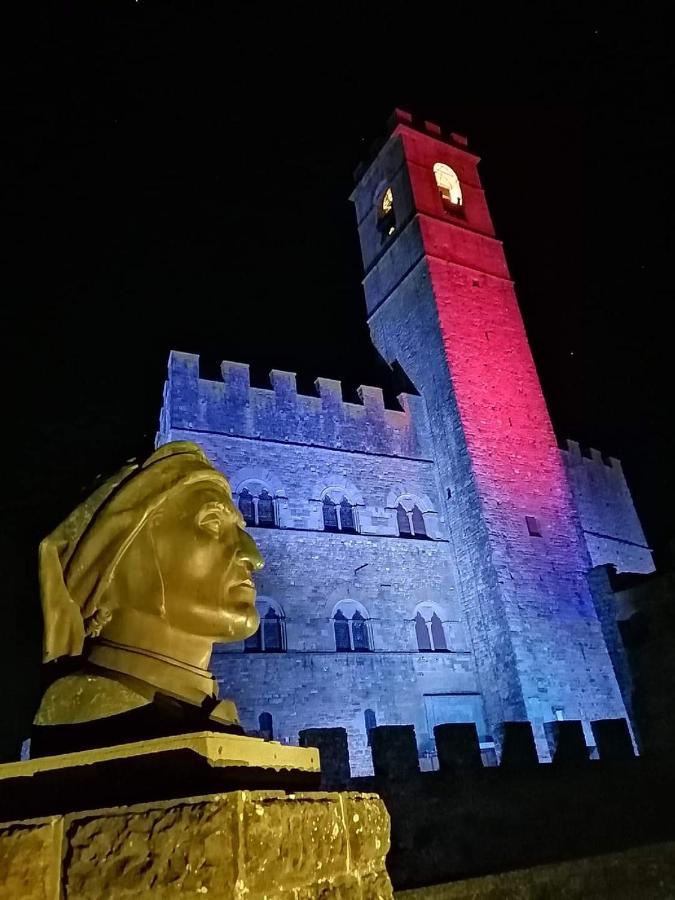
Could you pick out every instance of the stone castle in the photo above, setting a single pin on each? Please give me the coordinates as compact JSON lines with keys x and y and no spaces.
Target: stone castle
{"x":438,"y":562}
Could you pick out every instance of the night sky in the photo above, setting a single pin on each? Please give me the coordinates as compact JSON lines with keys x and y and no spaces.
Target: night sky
{"x":178,"y":177}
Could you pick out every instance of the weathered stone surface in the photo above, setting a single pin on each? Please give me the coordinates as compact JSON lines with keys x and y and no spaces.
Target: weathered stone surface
{"x":188,"y":849}
{"x":368,"y":829}
{"x":237,"y":845}
{"x":292,"y":841}
{"x":30,"y":860}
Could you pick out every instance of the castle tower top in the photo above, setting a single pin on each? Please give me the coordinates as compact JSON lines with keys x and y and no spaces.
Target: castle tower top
{"x":401,"y":119}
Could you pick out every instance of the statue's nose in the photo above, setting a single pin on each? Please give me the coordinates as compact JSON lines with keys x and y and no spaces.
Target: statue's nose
{"x":248,"y":550}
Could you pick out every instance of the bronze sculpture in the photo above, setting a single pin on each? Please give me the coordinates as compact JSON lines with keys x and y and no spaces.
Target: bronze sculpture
{"x":140,"y":581}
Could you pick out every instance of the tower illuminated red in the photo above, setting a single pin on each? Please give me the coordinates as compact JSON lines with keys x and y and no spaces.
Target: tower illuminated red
{"x":441,"y":302}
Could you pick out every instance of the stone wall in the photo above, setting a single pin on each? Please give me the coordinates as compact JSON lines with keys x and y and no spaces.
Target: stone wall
{"x":309,"y":571}
{"x":610,"y":523}
{"x":310,"y":690}
{"x":441,"y":303}
{"x":281,"y":414}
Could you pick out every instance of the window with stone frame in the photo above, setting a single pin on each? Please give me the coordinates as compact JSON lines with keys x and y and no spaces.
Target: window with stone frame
{"x":351,"y":629}
{"x":386,"y":214}
{"x":410,"y":519}
{"x":449,"y":188}
{"x":430,"y":631}
{"x":271,"y":634}
{"x":338,"y":515}
{"x":258,"y":507}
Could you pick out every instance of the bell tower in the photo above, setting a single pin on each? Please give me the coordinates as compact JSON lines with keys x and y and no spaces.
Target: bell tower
{"x":441,"y":302}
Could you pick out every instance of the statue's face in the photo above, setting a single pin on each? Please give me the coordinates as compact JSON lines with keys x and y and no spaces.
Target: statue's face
{"x":205,"y":561}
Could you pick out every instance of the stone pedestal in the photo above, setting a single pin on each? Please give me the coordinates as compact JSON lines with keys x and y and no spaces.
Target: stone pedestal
{"x":245,"y":844}
{"x":186,"y":765}
{"x":234,"y":844}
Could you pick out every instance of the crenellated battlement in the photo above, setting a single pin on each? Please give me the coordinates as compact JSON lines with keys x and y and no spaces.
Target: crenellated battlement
{"x":608,"y":518}
{"x":280,"y":413}
{"x":590,"y":455}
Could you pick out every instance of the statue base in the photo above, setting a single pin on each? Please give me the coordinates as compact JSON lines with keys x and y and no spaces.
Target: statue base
{"x":243,"y":844}
{"x":182,"y":766}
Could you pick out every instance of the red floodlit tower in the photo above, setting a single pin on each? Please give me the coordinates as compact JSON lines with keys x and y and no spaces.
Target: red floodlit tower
{"x":441,"y":302}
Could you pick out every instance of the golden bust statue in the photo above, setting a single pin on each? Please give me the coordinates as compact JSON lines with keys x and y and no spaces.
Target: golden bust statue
{"x":140,"y":581}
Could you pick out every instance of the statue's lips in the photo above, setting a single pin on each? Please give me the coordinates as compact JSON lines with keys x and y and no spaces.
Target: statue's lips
{"x":244,"y":590}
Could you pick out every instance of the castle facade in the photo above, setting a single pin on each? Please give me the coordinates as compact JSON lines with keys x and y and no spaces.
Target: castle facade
{"x":438,"y":562}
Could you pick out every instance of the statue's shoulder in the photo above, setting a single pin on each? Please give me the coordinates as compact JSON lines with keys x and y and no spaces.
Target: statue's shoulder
{"x":84,"y":696}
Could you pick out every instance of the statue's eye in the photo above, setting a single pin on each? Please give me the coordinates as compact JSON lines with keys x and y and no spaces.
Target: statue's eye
{"x":212,"y":518}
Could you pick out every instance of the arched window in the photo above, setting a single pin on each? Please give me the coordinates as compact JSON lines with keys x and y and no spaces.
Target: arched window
{"x":342,"y":632}
{"x":246,"y":507}
{"x":410,"y":519}
{"x":330,"y":516}
{"x":422,"y":632}
{"x":359,"y":633}
{"x":271,"y":626}
{"x":338,"y":515}
{"x":266,"y":510}
{"x":370,"y":720}
{"x":346,"y":515}
{"x":271,"y":634}
{"x":256,"y":505}
{"x":352,"y":634}
{"x":438,"y":634}
{"x":404,"y":525}
{"x":418,"y":526}
{"x":266,"y":726}
{"x":448,"y":187}
{"x":429,"y":631}
{"x":386,"y":215}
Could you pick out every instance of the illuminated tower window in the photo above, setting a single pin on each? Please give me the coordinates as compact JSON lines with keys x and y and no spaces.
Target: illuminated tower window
{"x":448,"y":187}
{"x":386,"y":215}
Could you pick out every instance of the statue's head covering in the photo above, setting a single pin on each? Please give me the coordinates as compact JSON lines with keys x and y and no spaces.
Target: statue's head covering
{"x":78,"y":559}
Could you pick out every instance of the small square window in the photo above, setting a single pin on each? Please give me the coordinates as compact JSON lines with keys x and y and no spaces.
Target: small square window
{"x":559,"y":713}
{"x":533,"y":526}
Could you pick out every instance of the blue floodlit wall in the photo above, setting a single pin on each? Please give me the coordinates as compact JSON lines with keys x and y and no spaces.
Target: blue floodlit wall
{"x":298,"y":447}
{"x":608,"y":518}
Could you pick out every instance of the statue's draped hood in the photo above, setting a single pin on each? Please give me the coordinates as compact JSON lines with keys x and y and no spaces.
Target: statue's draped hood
{"x":78,"y":560}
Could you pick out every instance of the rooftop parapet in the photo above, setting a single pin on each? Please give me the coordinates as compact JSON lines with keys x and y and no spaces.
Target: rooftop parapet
{"x":280,"y":413}
{"x":575,"y":450}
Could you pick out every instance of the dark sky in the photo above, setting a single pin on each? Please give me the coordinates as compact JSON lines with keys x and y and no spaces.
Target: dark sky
{"x":177,"y":176}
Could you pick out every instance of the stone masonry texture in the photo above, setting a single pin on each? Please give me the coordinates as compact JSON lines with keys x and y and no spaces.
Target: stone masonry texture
{"x":525,"y":636}
{"x":261,"y":844}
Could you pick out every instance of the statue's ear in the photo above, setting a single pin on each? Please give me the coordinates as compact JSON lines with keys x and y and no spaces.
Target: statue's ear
{"x":63,"y":625}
